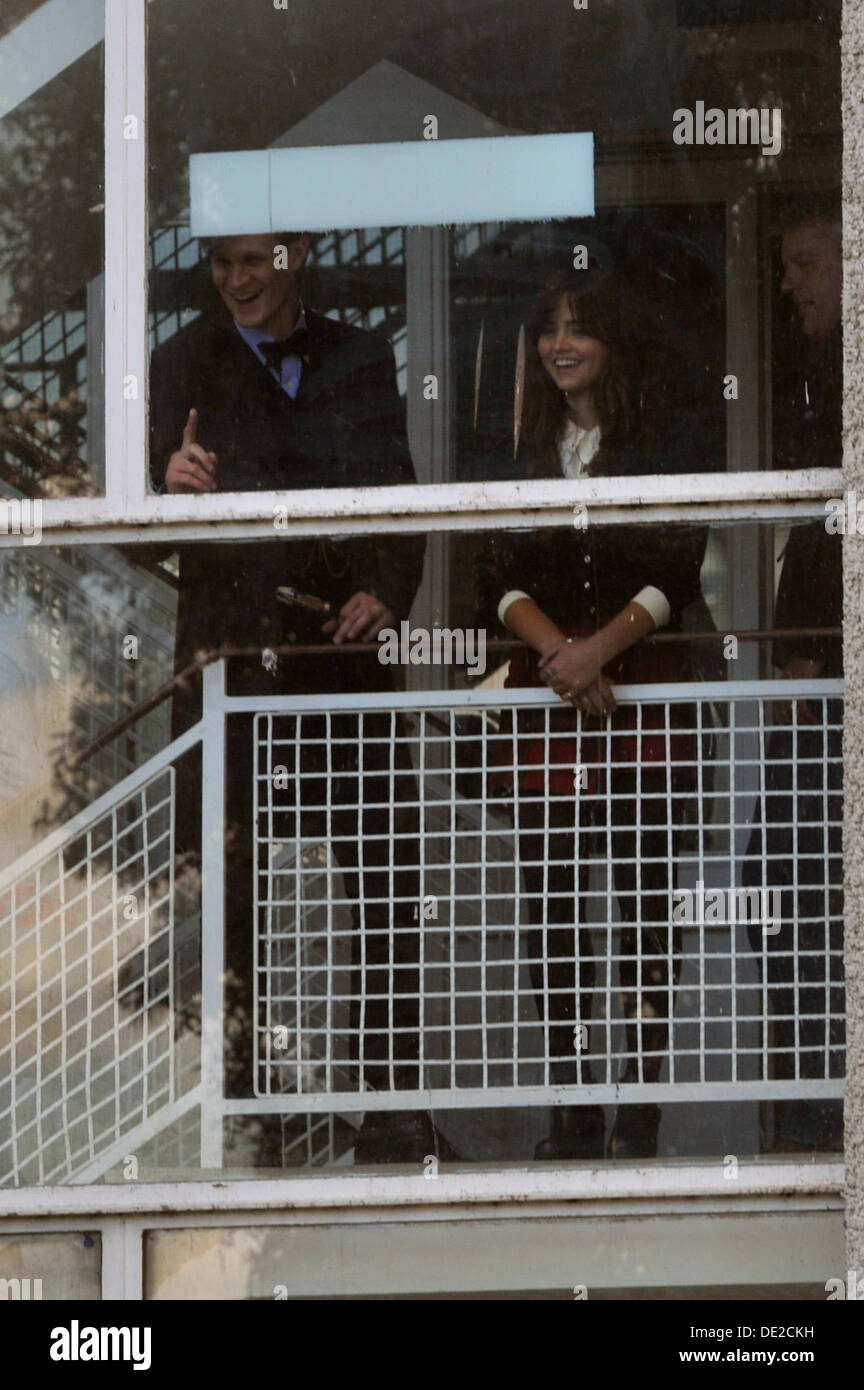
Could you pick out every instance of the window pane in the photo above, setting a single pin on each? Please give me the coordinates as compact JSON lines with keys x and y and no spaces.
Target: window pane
{"x":51,"y":256}
{"x":487,"y":1259}
{"x":699,"y":113}
{"x":392,"y":856}
{"x":61,"y":1266}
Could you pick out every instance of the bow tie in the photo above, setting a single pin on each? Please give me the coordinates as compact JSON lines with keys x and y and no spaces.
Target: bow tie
{"x":297,"y":344}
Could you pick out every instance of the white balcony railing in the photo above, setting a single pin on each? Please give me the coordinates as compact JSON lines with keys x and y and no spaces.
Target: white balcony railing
{"x":423,"y":937}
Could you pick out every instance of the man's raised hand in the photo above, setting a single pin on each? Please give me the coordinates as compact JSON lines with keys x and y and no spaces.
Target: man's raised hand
{"x":191,"y":468}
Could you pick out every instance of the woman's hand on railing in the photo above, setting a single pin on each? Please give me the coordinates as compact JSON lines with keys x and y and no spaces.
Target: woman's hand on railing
{"x":573,"y":669}
{"x":597,"y":698}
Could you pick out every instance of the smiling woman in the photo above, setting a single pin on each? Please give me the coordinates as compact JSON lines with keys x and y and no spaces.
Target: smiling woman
{"x":582,"y":602}
{"x":574,"y":360}
{"x":590,"y":375}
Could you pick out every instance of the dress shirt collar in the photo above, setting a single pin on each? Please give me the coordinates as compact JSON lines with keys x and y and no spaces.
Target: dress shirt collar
{"x":292,"y":366}
{"x":576,"y":448}
{"x":256,"y":336}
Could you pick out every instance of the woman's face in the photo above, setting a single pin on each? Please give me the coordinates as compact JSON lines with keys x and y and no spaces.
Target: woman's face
{"x":574,"y":360}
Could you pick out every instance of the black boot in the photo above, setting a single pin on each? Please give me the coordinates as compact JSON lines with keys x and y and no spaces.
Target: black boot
{"x":400,"y":1136}
{"x":577,"y":1132}
{"x":634,"y":1134}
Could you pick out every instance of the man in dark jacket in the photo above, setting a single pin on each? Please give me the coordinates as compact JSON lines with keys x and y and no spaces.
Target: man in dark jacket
{"x":803,"y":800}
{"x":264,"y":394}
{"x":241,"y":405}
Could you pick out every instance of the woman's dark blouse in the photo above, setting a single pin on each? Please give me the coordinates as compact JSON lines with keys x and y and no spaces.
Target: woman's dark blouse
{"x":581,"y":578}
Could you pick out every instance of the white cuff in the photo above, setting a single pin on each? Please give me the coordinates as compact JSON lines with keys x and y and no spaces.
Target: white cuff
{"x":656,"y":602}
{"x":509,"y":598}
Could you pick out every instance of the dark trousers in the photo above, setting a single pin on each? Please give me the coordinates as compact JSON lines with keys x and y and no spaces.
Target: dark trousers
{"x":563,"y":960}
{"x":798,"y":822}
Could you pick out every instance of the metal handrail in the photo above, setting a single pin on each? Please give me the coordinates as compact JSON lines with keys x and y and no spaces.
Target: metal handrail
{"x":206,"y":658}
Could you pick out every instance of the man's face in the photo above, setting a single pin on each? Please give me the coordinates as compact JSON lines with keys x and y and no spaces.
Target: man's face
{"x":255,"y":293}
{"x":813,"y":276}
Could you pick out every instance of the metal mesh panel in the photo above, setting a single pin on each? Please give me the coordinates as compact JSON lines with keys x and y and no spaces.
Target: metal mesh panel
{"x":43,"y":374}
{"x":659,"y":906}
{"x":86,"y":990}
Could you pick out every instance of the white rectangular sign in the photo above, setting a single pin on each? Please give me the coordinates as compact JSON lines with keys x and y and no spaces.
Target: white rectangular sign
{"x":417,"y":183}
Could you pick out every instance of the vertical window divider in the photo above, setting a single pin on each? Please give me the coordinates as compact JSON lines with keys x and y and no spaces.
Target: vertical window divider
{"x":125,"y":255}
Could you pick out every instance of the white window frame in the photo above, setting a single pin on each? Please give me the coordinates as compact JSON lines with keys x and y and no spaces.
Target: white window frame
{"x":128,"y":512}
{"x":792,"y":1195}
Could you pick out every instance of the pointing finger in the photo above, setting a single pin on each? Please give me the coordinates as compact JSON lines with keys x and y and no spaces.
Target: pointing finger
{"x":191,"y":429}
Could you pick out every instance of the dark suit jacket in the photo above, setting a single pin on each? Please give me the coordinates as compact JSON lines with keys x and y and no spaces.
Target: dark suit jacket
{"x":345,"y":429}
{"x":810,"y":592}
{"x":582,"y":578}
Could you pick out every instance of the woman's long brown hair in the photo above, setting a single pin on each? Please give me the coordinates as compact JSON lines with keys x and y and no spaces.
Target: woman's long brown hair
{"x":596,"y":302}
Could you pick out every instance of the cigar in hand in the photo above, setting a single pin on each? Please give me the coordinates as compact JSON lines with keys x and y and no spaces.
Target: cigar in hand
{"x":295,"y":599}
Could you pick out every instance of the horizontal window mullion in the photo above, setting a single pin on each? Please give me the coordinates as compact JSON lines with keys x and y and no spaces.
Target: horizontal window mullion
{"x":760,"y":496}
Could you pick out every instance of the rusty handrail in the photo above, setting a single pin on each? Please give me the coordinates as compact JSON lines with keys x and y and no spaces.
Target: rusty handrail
{"x":206,"y":658}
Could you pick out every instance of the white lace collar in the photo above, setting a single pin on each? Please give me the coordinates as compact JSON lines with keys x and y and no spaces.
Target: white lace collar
{"x":576,"y":448}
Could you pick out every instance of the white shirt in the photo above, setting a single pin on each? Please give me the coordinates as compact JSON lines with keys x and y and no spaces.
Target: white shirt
{"x":576,"y":448}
